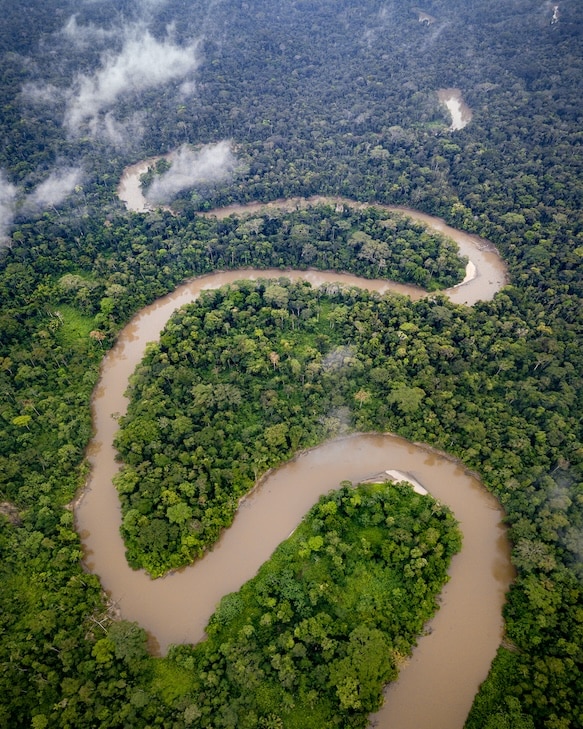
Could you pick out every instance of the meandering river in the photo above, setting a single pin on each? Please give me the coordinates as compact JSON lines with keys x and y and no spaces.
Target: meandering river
{"x":485,"y":271}
{"x":436,"y":687}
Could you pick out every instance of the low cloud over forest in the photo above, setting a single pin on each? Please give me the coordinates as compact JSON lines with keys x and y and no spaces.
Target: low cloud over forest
{"x":143,"y":62}
{"x":212,"y":164}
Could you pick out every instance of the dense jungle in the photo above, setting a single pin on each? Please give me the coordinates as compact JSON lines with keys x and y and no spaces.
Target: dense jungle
{"x":255,"y":101}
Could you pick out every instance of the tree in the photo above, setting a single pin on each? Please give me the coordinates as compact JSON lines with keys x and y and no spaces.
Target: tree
{"x":276,"y":436}
{"x":407,"y":399}
{"x":129,"y":643}
{"x":357,"y":677}
{"x":276,"y":295}
{"x":179,"y":513}
{"x":361,"y":397}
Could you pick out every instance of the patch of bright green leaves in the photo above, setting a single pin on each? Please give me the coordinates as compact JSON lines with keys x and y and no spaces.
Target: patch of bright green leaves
{"x":312,"y":639}
{"x":241,"y":380}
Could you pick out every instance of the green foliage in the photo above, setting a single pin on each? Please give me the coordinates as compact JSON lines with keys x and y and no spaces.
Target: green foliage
{"x":320,"y":99}
{"x":75,"y":326}
{"x":170,"y":681}
{"x":228,"y":401}
{"x":311,"y":640}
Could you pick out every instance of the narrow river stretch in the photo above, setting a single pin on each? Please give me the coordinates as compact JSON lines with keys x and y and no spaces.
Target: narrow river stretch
{"x":436,"y":687}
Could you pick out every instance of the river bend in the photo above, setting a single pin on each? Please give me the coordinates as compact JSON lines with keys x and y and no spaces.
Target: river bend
{"x":436,"y":687}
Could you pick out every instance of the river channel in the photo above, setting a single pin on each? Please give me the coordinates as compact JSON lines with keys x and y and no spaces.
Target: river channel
{"x":485,"y":272}
{"x":436,"y":686}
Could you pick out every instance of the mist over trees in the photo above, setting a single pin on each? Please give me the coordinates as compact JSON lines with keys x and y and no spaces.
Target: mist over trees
{"x":299,"y":98}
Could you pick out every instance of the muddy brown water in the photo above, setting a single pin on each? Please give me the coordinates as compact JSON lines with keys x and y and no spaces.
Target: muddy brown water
{"x":485,"y":274}
{"x":436,"y":686}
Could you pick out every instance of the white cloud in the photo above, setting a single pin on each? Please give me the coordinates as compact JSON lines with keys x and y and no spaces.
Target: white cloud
{"x":152,"y":4}
{"x":143,"y":62}
{"x":58,"y":185}
{"x":212,"y":164}
{"x":83,"y":36}
{"x":41,"y":94}
{"x":50,"y":193}
{"x":121,"y":134}
{"x":187,"y":89}
{"x":8,"y":193}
